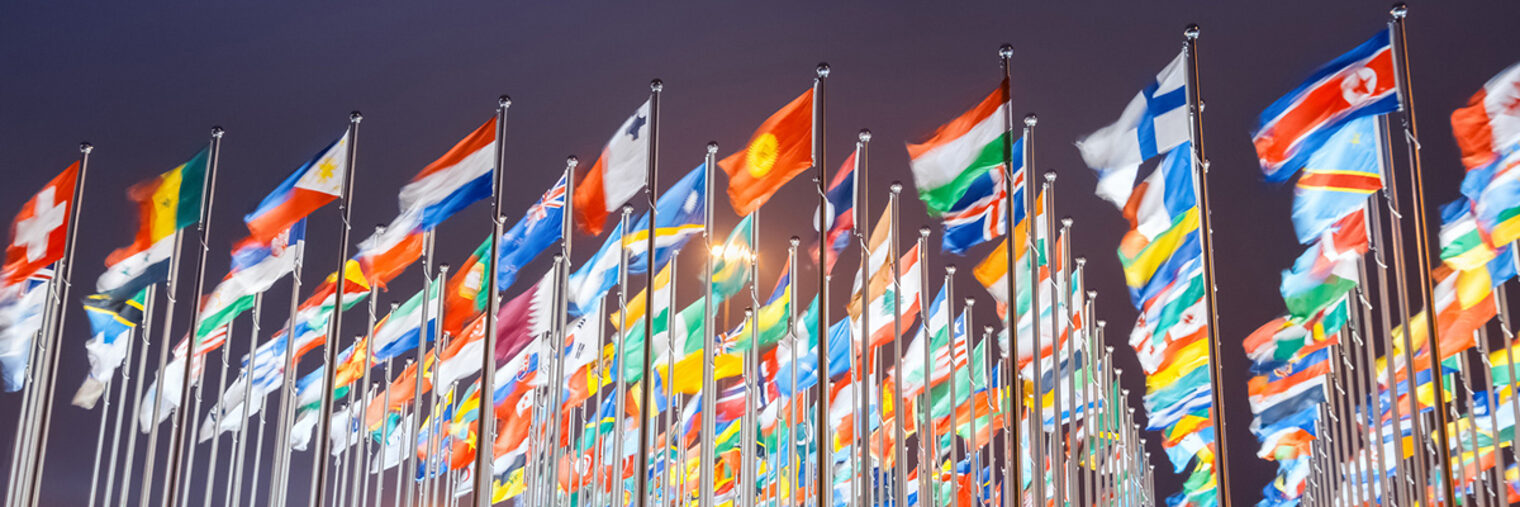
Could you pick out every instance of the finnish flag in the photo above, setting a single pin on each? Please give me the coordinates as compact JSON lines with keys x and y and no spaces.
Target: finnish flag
{"x":1153,"y":123}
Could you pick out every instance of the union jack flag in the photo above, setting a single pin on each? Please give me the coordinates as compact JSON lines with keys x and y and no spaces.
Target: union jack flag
{"x":979,"y":216}
{"x":554,"y":198}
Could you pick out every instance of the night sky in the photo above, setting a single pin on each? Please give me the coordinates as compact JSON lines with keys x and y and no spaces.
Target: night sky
{"x":145,"y":82}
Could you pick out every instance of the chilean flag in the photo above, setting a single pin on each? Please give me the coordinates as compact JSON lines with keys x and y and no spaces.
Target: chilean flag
{"x":1358,"y":83}
{"x":454,"y":181}
{"x":41,"y":228}
{"x":317,"y":182}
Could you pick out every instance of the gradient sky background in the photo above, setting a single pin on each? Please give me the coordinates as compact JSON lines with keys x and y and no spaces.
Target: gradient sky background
{"x":145,"y":82}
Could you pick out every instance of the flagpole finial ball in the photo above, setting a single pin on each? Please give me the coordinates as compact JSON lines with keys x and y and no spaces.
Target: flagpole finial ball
{"x":216,"y":131}
{"x":1108,"y":348}
{"x":559,"y":258}
{"x":749,"y":312}
{"x":1092,"y":294}
{"x":1102,"y":323}
{"x":1005,"y":51}
{"x":823,"y":69}
{"x":1399,"y":10}
{"x":395,"y":304}
{"x":86,"y":147}
{"x":443,"y":267}
{"x":1050,"y":176}
{"x":1066,"y":222}
{"x":627,"y":210}
{"x":924,"y":232}
{"x":355,"y":117}
{"x":656,"y":85}
{"x":896,"y":188}
{"x":865,"y":135}
{"x":795,"y":241}
{"x":970,"y":302}
{"x":1081,"y":261}
{"x":504,"y":101}
{"x":950,"y":270}
{"x":1031,"y":119}
{"x":572,"y":161}
{"x":1191,"y":32}
{"x":712,"y":146}
{"x":987,"y":329}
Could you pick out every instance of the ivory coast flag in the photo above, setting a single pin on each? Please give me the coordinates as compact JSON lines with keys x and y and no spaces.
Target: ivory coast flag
{"x":167,"y":203}
{"x":960,"y":151}
{"x":779,"y":150}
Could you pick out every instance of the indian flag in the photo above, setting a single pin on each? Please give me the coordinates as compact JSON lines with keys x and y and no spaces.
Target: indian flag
{"x":960,"y":151}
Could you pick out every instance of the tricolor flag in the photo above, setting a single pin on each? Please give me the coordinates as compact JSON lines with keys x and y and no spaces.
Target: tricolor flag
{"x":961,"y":151}
{"x":41,"y":228}
{"x":778,"y":151}
{"x":1359,"y":83}
{"x":680,"y":214}
{"x":617,"y":175}
{"x":1490,"y":124}
{"x":391,"y":249}
{"x":255,"y":267}
{"x":1337,"y":178}
{"x":168,"y":203}
{"x":454,"y":181}
{"x":1153,"y":123}
{"x":317,"y":182}
{"x":840,"y":215}
{"x":979,"y":216}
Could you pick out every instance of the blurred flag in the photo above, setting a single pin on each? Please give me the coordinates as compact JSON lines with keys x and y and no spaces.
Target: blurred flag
{"x":167,"y":203}
{"x":21,"y":307}
{"x":839,"y":218}
{"x":979,"y":216}
{"x":454,"y":181}
{"x":960,"y":151}
{"x":317,"y":182}
{"x":41,"y":228}
{"x":1154,"y":122}
{"x":617,"y":175}
{"x":778,"y":151}
{"x":1490,"y":124}
{"x":1337,"y":178}
{"x":111,"y":325}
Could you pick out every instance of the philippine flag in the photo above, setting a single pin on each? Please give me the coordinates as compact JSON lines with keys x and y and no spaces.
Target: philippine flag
{"x":317,"y":182}
{"x":454,"y":181}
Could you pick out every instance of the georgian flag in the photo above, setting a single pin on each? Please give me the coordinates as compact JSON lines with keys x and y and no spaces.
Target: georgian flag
{"x":1154,"y":122}
{"x":41,"y":228}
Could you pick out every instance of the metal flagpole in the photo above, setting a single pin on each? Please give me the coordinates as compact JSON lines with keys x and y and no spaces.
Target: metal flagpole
{"x":1421,"y":229}
{"x":203,"y":233}
{"x":748,"y":449}
{"x":235,"y":486}
{"x":1058,"y":304}
{"x":976,"y":444}
{"x":121,"y":414}
{"x":1010,"y":321}
{"x":567,"y":230}
{"x":385,"y":429}
{"x":899,"y":466}
{"x":216,"y":422}
{"x":361,"y":455}
{"x":1037,"y":438}
{"x":170,"y":293}
{"x":414,"y":430}
{"x":1493,"y":410}
{"x":955,"y":450}
{"x":52,"y":335}
{"x":1502,"y":300}
{"x":670,"y":389}
{"x":1071,"y":491}
{"x":599,"y":366}
{"x":1361,"y":323}
{"x":926,"y":445}
{"x":821,"y":433}
{"x":188,"y":429}
{"x":484,"y":429}
{"x":20,"y":458}
{"x":709,"y":385}
{"x":100,"y":435}
{"x":1088,"y":406}
{"x":972,"y":448}
{"x":279,"y":480}
{"x":790,"y":443}
{"x":621,"y":365}
{"x":335,"y":327}
{"x":1472,"y":434}
{"x":652,"y":191}
{"x":1205,"y":226}
{"x":863,"y":226}
{"x":258,"y":455}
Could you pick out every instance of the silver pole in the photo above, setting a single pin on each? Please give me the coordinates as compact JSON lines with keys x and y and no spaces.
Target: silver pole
{"x":415,"y":429}
{"x":927,"y":446}
{"x":652,"y":191}
{"x":863,"y":227}
{"x":899,"y":466}
{"x":278,"y":476}
{"x":484,"y":429}
{"x":121,"y":414}
{"x":361,"y":455}
{"x":100,"y":436}
{"x":1014,"y":406}
{"x":235,"y":490}
{"x":216,"y":422}
{"x":195,"y":421}
{"x":622,"y":365}
{"x":955,"y":400}
{"x":820,"y":150}
{"x":171,"y":291}
{"x":709,"y":385}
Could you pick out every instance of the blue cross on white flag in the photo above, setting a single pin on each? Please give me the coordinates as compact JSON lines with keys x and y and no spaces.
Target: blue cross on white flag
{"x":1154,"y":122}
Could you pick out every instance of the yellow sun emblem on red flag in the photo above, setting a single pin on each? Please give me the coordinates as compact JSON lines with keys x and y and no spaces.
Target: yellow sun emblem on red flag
{"x":761,"y":155}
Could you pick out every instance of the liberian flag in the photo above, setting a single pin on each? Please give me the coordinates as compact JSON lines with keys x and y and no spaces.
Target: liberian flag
{"x":1358,"y":83}
{"x":959,"y":152}
{"x":1490,"y":124}
{"x":617,"y":175}
{"x":167,"y":204}
{"x":317,"y":182}
{"x":41,"y":228}
{"x":454,"y":181}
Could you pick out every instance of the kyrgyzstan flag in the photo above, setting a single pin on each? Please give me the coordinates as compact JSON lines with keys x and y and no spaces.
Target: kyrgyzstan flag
{"x":41,"y":228}
{"x":780,"y":150}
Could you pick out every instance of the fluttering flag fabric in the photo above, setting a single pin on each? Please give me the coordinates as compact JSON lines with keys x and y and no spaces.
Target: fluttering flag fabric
{"x":778,"y":151}
{"x":680,"y":213}
{"x":839,"y":218}
{"x":21,"y":309}
{"x":1337,"y":178}
{"x":41,"y":228}
{"x":456,"y":180}
{"x":317,"y":182}
{"x":166,"y":204}
{"x":111,"y":324}
{"x":618,"y":174}
{"x":540,"y":227}
{"x":1154,"y":122}
{"x":392,"y":248}
{"x":1490,"y":123}
{"x":959,"y":152}
{"x":1359,"y":83}
{"x":255,"y":267}
{"x":980,"y":214}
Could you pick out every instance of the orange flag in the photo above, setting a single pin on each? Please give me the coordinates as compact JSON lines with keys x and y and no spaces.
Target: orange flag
{"x":780,"y":150}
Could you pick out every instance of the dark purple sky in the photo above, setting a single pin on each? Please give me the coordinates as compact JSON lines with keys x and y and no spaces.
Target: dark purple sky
{"x":145,"y":82}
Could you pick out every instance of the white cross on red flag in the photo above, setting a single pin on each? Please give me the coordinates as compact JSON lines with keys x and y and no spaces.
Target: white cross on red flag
{"x":39,"y":232}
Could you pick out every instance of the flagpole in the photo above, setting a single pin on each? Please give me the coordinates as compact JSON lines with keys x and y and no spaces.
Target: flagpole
{"x":927,"y":447}
{"x":335,"y":327}
{"x":899,"y":468}
{"x":54,"y":333}
{"x":557,"y":342}
{"x":652,"y":191}
{"x":1057,"y":301}
{"x":602,"y":375}
{"x":484,"y":426}
{"x":415,"y":429}
{"x":21,"y":446}
{"x":670,"y":390}
{"x":1071,"y":491}
{"x":234,"y":491}
{"x":100,"y":435}
{"x":361,"y":458}
{"x":1089,"y":409}
{"x":820,"y":151}
{"x":278,"y":476}
{"x":1493,"y":409}
{"x":621,"y":361}
{"x":1010,"y":321}
{"x":171,"y":294}
{"x":709,"y":385}
{"x":121,"y":400}
{"x":1205,"y":226}
{"x":189,"y":427}
{"x":1502,"y":301}
{"x":1361,"y":323}
{"x":216,"y":422}
{"x":1038,"y":440}
{"x":863,"y":226}
{"x":790,"y":444}
{"x":955,"y":450}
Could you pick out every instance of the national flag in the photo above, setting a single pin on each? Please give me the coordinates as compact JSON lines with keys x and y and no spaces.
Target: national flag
{"x":255,"y":267}
{"x":541,"y":225}
{"x":1359,"y":83}
{"x":680,"y":214}
{"x":1164,"y":223}
{"x":392,"y":248}
{"x":905,"y":297}
{"x":111,"y":324}
{"x":21,"y":308}
{"x":979,"y":216}
{"x":41,"y":228}
{"x":317,"y":182}
{"x":1337,"y":178}
{"x":778,"y":151}
{"x":1463,"y":246}
{"x":519,"y":322}
{"x":167,"y":203}
{"x":1490,"y":124}
{"x":400,"y":330}
{"x":617,"y":175}
{"x":1154,"y":122}
{"x":462,"y":297}
{"x":1327,"y":269}
{"x":457,"y":179}
{"x":960,"y":151}
{"x":840,"y":215}
{"x":1495,"y":192}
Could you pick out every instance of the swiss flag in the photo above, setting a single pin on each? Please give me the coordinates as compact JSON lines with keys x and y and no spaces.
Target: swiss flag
{"x":41,"y":228}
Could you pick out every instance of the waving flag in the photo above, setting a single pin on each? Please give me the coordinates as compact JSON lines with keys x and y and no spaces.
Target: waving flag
{"x":840,"y":215}
{"x":979,"y":216}
{"x":168,"y":203}
{"x":391,"y":249}
{"x":1154,"y":122}
{"x":680,"y":214}
{"x":399,"y":331}
{"x":1490,"y":124}
{"x":617,"y":175}
{"x":1356,"y":84}
{"x":111,"y":323}
{"x":21,"y":307}
{"x":1337,"y":178}
{"x":960,"y":151}
{"x":317,"y":182}
{"x":779,"y":150}
{"x":255,"y":267}
{"x":41,"y":228}
{"x":456,"y":180}
{"x":540,"y":227}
